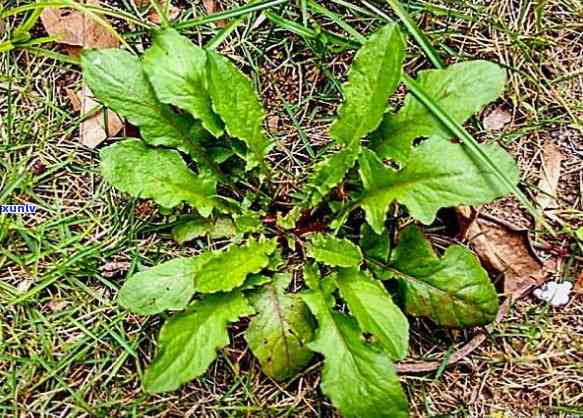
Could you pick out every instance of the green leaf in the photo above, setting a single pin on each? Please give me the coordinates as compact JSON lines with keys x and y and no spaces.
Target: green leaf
{"x":178,"y":72}
{"x":167,"y":286}
{"x":196,"y":227}
{"x":330,"y":172}
{"x":463,"y":89}
{"x":237,"y":103}
{"x":454,"y":291}
{"x":373,"y":245}
{"x":255,"y":280}
{"x":333,"y":251}
{"x":311,"y":276}
{"x":288,"y":222}
{"x":374,"y":309}
{"x":372,"y":79}
{"x":279,"y":334}
{"x":189,"y":341}
{"x":359,"y":379}
{"x":117,"y":79}
{"x":227,"y":270}
{"x":438,"y":174}
{"x":159,"y":174}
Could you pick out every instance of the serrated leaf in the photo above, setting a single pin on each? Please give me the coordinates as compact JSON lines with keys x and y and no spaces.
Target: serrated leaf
{"x":372,"y":79}
{"x":330,"y":172}
{"x":463,"y":89}
{"x":159,"y":174}
{"x":117,"y":79}
{"x":177,"y":69}
{"x":454,"y":291}
{"x":228,"y":269}
{"x":336,"y":252}
{"x":237,"y":103}
{"x":374,"y":310}
{"x":196,"y":227}
{"x":167,"y":286}
{"x":279,"y":334}
{"x":359,"y":379}
{"x":438,"y":174}
{"x":189,"y":341}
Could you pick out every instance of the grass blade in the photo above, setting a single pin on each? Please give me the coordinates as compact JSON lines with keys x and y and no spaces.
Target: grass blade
{"x":412,"y":28}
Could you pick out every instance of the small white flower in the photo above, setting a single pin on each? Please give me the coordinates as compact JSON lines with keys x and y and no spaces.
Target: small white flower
{"x":557,"y":294}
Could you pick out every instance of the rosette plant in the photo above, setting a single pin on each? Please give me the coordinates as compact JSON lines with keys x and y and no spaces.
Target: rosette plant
{"x":203,"y":152}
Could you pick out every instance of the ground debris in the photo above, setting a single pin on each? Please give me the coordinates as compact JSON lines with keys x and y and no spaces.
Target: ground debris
{"x":74,"y":28}
{"x":549,"y":177}
{"x":503,"y":248}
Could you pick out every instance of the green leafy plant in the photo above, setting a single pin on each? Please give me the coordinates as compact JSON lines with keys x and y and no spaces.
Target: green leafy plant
{"x":203,"y":150}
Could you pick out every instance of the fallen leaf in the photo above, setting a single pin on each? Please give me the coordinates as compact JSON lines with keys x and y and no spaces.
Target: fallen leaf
{"x":503,"y":249}
{"x":57,"y":305}
{"x":578,"y":288}
{"x":94,"y":130}
{"x":497,"y":119}
{"x":549,"y":179}
{"x":211,"y":7}
{"x":77,"y":29}
{"x":74,"y":99}
{"x":153,"y":16}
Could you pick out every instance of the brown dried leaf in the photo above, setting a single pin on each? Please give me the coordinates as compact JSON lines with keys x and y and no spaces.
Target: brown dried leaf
{"x":211,"y":7}
{"x":497,"y":119}
{"x":503,"y":249}
{"x":74,"y":99}
{"x":578,"y":288}
{"x":114,"y":268}
{"x":77,"y":29}
{"x":94,"y":130}
{"x":549,"y":179}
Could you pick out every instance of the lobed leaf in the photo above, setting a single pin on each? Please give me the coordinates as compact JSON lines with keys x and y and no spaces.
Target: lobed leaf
{"x":437,"y":174}
{"x":167,"y":286}
{"x":359,"y":379}
{"x":160,"y":174}
{"x":228,"y":269}
{"x":463,"y":89}
{"x":235,"y":100}
{"x":177,"y":69}
{"x":279,"y":334}
{"x":454,"y":291}
{"x":333,"y":251}
{"x":189,"y":341}
{"x":372,"y":79}
{"x":374,"y":310}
